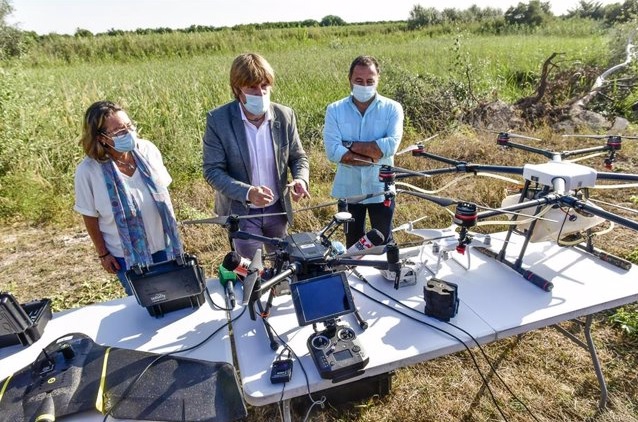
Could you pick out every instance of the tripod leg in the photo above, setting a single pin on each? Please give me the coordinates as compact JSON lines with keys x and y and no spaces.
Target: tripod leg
{"x":265,"y":311}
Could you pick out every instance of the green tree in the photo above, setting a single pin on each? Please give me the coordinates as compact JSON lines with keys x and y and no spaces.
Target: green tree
{"x":587,"y":9}
{"x":628,"y":11}
{"x":11,"y":41}
{"x":332,"y":20}
{"x":421,"y":17}
{"x":83,"y":33}
{"x":534,"y":13}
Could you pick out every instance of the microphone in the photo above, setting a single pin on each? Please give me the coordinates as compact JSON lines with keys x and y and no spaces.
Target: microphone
{"x":239,"y":265}
{"x":227,"y":279}
{"x":236,"y":263}
{"x":373,"y":238}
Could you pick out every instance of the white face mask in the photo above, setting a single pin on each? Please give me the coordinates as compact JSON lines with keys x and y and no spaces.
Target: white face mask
{"x":363,"y":93}
{"x":257,"y":104}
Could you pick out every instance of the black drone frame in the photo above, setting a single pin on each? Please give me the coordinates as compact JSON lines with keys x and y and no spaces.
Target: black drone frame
{"x":292,"y":268}
{"x":535,"y":196}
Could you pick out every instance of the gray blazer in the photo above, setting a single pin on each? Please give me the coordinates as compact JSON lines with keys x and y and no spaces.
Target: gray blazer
{"x":227,"y":162}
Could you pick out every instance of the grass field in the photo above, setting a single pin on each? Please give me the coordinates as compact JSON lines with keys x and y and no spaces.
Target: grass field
{"x":44,"y":250}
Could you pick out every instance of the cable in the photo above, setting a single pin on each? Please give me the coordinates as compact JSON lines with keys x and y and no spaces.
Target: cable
{"x":458,"y":179}
{"x":139,"y":376}
{"x":305,"y":374}
{"x":614,"y":205}
{"x":213,"y":305}
{"x":453,"y":336}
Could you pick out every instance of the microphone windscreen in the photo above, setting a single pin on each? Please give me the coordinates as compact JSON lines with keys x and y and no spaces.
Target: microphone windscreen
{"x":231,"y":261}
{"x":375,"y":237}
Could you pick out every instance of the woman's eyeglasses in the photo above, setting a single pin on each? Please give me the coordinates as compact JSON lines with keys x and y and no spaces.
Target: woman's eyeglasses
{"x":123,"y":131}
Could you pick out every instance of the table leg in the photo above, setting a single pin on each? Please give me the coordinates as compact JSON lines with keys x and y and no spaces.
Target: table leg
{"x":591,"y":348}
{"x":594,"y":357}
{"x":286,"y":410}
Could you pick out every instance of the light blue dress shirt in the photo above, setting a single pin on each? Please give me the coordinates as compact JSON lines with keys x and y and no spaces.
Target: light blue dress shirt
{"x":382,"y":122}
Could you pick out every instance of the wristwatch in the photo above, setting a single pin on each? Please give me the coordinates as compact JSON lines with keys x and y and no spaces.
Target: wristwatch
{"x":347,"y":144}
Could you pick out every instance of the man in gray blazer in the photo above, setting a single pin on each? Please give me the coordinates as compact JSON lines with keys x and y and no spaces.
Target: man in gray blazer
{"x":249,"y":145}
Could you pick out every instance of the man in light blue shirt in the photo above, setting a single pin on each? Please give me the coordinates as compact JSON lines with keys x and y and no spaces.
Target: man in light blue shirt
{"x":362,"y":132}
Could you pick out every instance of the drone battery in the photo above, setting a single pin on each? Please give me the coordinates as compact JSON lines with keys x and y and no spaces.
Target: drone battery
{"x":441,"y":299}
{"x":169,"y":286}
{"x":281,"y":371}
{"x":37,"y":313}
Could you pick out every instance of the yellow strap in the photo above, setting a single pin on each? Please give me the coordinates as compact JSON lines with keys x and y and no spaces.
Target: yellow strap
{"x":4,"y":386}
{"x":99,"y":403}
{"x":46,"y":417}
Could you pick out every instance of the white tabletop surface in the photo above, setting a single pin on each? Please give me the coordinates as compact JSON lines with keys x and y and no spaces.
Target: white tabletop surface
{"x":495,"y":302}
{"x":123,"y":323}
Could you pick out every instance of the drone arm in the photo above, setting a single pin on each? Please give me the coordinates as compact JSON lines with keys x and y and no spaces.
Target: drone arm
{"x":419,"y":153}
{"x":582,"y":205}
{"x":276,"y":280}
{"x":617,"y":176}
{"x":549,"y":199}
{"x":467,"y":168}
{"x":543,"y":152}
{"x":567,"y":154}
{"x":356,"y":262}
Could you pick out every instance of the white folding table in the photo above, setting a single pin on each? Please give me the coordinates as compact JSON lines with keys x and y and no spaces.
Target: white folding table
{"x":495,"y":302}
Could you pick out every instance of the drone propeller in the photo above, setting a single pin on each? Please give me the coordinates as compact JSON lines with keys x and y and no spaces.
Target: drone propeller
{"x":381,"y":249}
{"x":394,"y":168}
{"x":355,"y":199}
{"x":223,"y":220}
{"x":409,"y":225}
{"x":254,"y":270}
{"x":504,"y":137}
{"x":465,"y":214}
{"x":600,"y":136}
{"x":415,"y":146}
{"x":439,"y":200}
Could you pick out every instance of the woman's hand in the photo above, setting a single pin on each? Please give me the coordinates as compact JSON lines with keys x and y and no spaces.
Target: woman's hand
{"x":110,"y":264}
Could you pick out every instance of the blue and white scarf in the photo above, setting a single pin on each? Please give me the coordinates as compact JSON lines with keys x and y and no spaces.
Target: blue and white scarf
{"x":128,"y":218}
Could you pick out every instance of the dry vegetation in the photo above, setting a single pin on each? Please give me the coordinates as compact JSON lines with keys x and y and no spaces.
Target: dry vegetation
{"x":550,"y":374}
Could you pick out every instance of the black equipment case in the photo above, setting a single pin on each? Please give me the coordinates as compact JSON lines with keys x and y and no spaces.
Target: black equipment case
{"x":22,"y":323}
{"x":169,"y":286}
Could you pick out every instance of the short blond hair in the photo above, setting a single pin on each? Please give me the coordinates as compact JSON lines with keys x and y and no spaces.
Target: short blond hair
{"x":250,"y":69}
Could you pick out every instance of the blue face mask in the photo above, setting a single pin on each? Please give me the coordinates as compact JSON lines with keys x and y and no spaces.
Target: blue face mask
{"x":363,"y":93}
{"x":257,"y":104}
{"x":126,"y":142}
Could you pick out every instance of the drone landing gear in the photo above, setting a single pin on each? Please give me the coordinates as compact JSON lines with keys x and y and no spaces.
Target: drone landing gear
{"x":264,"y":312}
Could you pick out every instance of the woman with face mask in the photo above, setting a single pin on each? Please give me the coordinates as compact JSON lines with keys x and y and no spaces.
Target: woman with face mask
{"x":121,"y":190}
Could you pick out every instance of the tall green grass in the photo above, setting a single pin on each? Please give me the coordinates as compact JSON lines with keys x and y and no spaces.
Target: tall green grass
{"x":168,"y":96}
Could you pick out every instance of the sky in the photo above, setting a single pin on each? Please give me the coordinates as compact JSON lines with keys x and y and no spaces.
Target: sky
{"x":65,"y":16}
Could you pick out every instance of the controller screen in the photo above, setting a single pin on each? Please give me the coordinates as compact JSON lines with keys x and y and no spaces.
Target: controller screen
{"x":322,"y":298}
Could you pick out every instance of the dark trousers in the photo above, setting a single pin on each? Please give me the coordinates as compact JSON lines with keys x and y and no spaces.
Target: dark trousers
{"x":380,"y":219}
{"x":271,"y":226}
